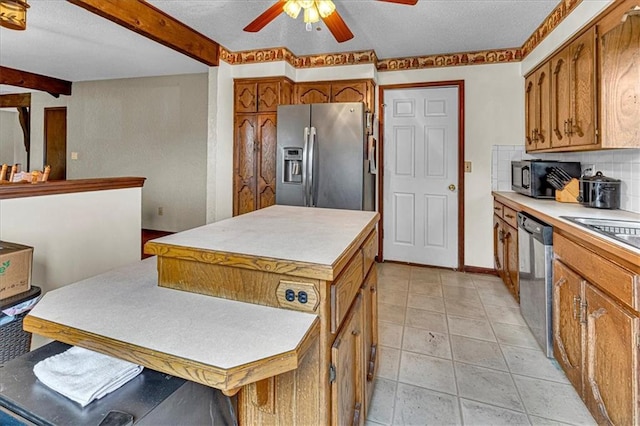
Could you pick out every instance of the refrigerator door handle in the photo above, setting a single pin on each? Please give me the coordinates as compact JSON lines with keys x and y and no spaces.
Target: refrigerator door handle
{"x":305,"y":175}
{"x":312,"y":201}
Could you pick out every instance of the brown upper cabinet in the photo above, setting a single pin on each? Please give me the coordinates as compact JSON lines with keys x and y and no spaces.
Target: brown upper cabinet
{"x":336,"y":91}
{"x":537,"y":109}
{"x":587,"y":96}
{"x":261,"y":95}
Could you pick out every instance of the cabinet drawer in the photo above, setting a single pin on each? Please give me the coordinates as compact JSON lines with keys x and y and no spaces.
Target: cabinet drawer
{"x":510,"y":216}
{"x":344,"y":289}
{"x":497,"y":208}
{"x":369,"y":251}
{"x":614,"y":279}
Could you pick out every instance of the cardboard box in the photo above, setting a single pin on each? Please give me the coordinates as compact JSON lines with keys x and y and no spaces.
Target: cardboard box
{"x":15,"y":269}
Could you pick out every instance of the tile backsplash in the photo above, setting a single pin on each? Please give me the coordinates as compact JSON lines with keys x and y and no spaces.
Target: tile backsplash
{"x":623,"y":164}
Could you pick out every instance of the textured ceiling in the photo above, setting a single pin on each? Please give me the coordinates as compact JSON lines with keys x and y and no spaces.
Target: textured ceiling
{"x":67,"y":42}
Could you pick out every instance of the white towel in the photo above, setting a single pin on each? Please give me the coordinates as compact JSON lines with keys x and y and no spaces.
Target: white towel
{"x":83,"y":375}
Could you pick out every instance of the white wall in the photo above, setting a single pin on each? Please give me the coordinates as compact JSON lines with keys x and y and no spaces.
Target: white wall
{"x":151,"y":127}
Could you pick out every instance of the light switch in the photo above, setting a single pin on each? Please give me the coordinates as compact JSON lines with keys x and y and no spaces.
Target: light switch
{"x":467,"y":166}
{"x":74,"y":155}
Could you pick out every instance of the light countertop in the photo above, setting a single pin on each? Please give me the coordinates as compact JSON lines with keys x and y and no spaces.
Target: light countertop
{"x":296,"y":234}
{"x":550,"y":211}
{"x":127,"y":305}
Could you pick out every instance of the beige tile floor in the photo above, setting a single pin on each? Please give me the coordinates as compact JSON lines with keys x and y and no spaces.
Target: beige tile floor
{"x":455,"y":350}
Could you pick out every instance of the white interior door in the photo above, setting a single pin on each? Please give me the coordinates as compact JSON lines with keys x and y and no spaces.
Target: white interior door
{"x":421,"y":176}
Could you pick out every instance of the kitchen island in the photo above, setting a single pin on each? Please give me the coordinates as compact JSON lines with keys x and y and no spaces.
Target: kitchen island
{"x":279,"y":305}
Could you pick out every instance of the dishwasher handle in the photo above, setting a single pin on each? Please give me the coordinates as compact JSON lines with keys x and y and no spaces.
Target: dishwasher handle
{"x":539,"y":230}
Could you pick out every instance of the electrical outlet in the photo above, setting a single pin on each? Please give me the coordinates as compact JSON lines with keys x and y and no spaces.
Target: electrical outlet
{"x":74,"y":155}
{"x":588,"y":169}
{"x":160,"y":211}
{"x":467,"y":166}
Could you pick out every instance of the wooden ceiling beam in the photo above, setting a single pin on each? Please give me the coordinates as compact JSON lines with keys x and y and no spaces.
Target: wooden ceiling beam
{"x":143,"y":18}
{"x":53,"y":86}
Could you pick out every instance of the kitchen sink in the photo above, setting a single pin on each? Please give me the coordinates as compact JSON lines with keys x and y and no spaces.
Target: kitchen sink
{"x":626,"y":231}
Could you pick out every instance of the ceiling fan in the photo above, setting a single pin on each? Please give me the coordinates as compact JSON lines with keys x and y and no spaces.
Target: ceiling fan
{"x":313,"y":10}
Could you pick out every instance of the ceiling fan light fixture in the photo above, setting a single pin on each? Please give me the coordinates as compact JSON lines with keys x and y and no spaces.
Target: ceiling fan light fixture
{"x":292,"y":8}
{"x":311,"y":15}
{"x":325,"y":7}
{"x":13,"y":14}
{"x":306,"y":4}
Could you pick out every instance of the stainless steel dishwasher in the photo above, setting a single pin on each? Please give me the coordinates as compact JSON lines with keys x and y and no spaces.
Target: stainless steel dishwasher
{"x":535,"y":254}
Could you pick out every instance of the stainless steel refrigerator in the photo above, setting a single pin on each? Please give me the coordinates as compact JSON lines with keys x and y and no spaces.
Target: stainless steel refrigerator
{"x":324,"y":157}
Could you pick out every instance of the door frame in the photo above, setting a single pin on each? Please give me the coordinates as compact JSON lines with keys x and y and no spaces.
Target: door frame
{"x":459,"y":84}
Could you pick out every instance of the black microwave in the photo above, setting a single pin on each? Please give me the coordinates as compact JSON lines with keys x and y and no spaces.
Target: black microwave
{"x":529,"y":177}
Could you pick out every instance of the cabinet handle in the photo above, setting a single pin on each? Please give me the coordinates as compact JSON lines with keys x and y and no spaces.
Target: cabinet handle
{"x":356,"y":413}
{"x":496,"y":208}
{"x":372,"y":362}
{"x":356,"y":333}
{"x":510,"y":216}
{"x":556,"y":73}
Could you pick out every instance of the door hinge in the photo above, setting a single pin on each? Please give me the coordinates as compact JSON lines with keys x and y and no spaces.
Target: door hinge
{"x":638,"y":340}
{"x":583,"y":313}
{"x":332,"y":373}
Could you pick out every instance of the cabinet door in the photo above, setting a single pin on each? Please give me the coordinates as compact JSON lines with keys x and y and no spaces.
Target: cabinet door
{"x":560,"y":99}
{"x":370,"y":327}
{"x":568,"y":325}
{"x":244,"y":181}
{"x":582,"y":122}
{"x":543,"y":119}
{"x":619,"y":88}
{"x":510,"y":260}
{"x":268,"y":96}
{"x":498,"y":246}
{"x":349,"y":92}
{"x":347,"y":358}
{"x":530,"y":112}
{"x":313,"y":93}
{"x":266,"y":150}
{"x":611,"y":376}
{"x":245,"y":97}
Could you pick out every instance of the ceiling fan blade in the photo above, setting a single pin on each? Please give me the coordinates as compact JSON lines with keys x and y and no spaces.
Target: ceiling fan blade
{"x":337,"y":27}
{"x":267,"y":16}
{"x":407,"y":2}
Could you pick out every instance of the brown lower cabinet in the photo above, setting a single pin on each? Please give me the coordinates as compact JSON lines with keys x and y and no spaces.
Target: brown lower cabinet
{"x":596,"y":334}
{"x":505,"y":247}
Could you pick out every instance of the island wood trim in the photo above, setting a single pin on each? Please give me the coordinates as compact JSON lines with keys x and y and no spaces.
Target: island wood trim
{"x":151,"y":22}
{"x":614,"y":252}
{"x":227,"y":380}
{"x":54,"y":86}
{"x":23,"y":190}
{"x":265,"y":264}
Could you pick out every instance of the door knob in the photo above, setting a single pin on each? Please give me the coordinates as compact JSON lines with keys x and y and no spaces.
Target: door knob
{"x":452,"y":187}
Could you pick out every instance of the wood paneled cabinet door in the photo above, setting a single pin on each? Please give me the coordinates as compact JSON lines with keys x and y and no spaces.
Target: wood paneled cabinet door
{"x":611,"y":369}
{"x":568,"y":325}
{"x":505,"y":254}
{"x":347,"y":387}
{"x":619,"y":44}
{"x":537,"y":92}
{"x":573,"y":93}
{"x":370,"y":341}
{"x":312,"y":93}
{"x":498,"y":246}
{"x":511,"y":260}
{"x":261,"y":95}
{"x":254,"y":181}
